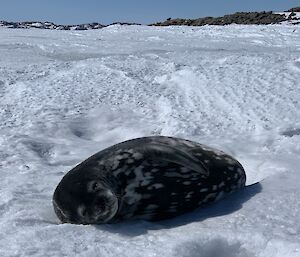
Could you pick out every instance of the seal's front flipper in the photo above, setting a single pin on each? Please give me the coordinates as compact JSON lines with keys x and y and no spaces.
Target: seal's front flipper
{"x":174,"y":155}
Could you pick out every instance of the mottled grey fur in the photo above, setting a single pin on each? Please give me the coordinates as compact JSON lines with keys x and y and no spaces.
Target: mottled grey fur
{"x":150,"y":178}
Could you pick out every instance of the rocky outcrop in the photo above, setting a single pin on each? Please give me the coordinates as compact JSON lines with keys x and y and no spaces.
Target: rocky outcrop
{"x":88,"y":26}
{"x":125,"y":23}
{"x":49,"y":25}
{"x":263,"y":18}
{"x":295,"y":9}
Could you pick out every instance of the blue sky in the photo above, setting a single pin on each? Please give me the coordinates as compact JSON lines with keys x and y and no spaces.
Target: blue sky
{"x":141,"y":11}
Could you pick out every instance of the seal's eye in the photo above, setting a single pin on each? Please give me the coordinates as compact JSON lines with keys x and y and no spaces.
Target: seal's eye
{"x":94,"y":186}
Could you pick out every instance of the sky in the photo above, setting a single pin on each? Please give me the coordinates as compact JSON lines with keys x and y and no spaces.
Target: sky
{"x":139,"y":11}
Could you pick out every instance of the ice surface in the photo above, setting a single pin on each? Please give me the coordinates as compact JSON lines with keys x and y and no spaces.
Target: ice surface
{"x":68,"y":94}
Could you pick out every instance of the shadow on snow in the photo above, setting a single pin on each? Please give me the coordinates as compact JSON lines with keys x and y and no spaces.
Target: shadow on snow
{"x":228,"y":205}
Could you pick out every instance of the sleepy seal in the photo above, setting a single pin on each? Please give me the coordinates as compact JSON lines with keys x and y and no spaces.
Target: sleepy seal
{"x":151,"y":178}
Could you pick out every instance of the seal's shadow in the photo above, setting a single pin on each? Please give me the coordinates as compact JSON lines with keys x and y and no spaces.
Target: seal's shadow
{"x":226,"y":206}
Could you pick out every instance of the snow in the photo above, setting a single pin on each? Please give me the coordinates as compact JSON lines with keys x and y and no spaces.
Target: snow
{"x":296,"y":17}
{"x":68,"y":94}
{"x":296,"y":14}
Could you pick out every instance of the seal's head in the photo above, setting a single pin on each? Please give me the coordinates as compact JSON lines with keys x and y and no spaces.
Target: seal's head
{"x":84,"y":201}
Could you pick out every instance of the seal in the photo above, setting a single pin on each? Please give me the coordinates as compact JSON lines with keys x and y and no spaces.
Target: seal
{"x":150,"y":178}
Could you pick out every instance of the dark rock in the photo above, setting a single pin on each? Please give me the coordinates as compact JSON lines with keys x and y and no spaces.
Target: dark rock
{"x":13,"y":26}
{"x":63,"y":27}
{"x":96,"y":25}
{"x":124,"y":23}
{"x":49,"y":25}
{"x":5,"y":23}
{"x":291,"y":16}
{"x":236,"y":18}
{"x":295,"y":9}
{"x":80,"y":27}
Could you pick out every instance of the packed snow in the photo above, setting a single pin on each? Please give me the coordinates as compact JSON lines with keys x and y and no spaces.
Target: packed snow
{"x":65,"y":95}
